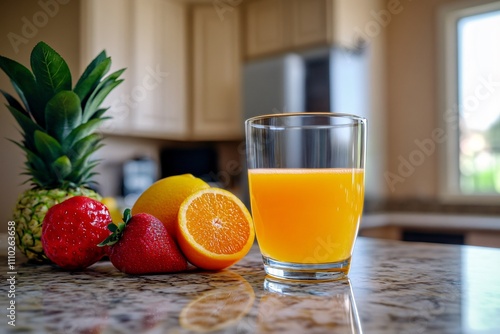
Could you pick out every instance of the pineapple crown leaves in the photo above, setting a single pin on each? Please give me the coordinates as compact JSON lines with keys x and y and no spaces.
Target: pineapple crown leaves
{"x":117,"y":230}
{"x":58,"y":122}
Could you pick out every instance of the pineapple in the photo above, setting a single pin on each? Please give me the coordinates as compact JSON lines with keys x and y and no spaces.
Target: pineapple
{"x":58,"y":123}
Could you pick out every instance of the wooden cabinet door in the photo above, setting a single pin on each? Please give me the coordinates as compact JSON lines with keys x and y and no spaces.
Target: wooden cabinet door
{"x":216,"y":63}
{"x":149,"y":38}
{"x":277,"y":26}
{"x":310,"y":22}
{"x":266,"y":27}
{"x":159,"y":93}
{"x":183,"y":73}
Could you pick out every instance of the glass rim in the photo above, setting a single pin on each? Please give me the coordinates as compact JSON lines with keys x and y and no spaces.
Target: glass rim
{"x":355,"y":120}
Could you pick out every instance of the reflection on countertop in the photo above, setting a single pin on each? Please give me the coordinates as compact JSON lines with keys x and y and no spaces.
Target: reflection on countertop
{"x":394,"y":287}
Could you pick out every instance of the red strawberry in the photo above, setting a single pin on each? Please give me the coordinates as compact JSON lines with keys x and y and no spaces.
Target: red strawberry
{"x":142,"y":245}
{"x":71,"y":231}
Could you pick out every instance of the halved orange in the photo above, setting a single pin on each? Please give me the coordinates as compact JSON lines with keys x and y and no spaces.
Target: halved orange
{"x":215,"y":229}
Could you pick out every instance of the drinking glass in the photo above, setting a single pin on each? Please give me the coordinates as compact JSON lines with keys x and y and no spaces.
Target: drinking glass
{"x":306,"y":184}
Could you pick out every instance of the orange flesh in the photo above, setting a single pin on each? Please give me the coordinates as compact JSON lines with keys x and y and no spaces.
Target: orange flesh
{"x":217,"y":224}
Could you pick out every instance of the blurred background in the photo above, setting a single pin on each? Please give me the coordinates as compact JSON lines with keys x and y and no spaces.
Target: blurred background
{"x":426,"y":75}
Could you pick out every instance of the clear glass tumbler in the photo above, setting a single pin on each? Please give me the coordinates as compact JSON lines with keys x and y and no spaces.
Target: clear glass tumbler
{"x":306,"y":183}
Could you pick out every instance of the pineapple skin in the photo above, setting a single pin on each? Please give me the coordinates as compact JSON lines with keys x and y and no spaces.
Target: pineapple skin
{"x":30,"y":211}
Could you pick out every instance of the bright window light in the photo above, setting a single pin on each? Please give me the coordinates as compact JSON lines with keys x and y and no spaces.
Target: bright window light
{"x":479,"y":103}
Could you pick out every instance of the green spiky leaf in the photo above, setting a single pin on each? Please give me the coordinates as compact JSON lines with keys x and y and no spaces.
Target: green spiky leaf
{"x":51,"y":71}
{"x":48,"y":147}
{"x":35,"y":162}
{"x":24,"y":83}
{"x":27,"y":125}
{"x":99,"y":114}
{"x":41,"y":179}
{"x":115,"y":75}
{"x":84,"y":177}
{"x":86,"y":174}
{"x":13,"y":102}
{"x":32,"y":160}
{"x":83,"y":146}
{"x":86,"y":85}
{"x":93,"y":64}
{"x":82,"y":131}
{"x":63,"y":113}
{"x":36,"y":167}
{"x":82,"y":167}
{"x":93,"y":105}
{"x":62,"y":167}
{"x":102,"y":90}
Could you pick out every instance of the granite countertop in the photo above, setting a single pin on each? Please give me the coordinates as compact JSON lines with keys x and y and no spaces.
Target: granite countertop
{"x":394,"y":287}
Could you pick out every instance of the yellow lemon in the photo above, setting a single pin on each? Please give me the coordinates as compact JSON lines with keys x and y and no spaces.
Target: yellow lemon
{"x":164,"y":197}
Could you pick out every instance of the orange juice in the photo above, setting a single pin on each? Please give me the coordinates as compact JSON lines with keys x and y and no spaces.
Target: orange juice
{"x":306,"y":215}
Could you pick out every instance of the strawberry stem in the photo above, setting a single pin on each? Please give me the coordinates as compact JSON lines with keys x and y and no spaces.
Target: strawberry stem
{"x":117,"y":230}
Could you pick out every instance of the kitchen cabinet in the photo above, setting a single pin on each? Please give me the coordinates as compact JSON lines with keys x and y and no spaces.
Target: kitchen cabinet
{"x":279,"y":26}
{"x":274,"y":26}
{"x":265,"y":27}
{"x":310,"y":22}
{"x":216,"y":89}
{"x":159,"y":69}
{"x":183,"y":67}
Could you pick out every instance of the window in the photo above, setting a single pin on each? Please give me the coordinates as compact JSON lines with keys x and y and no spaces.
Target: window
{"x":469,"y":73}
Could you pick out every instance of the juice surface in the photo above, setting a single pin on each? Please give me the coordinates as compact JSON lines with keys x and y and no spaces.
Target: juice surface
{"x":306,"y":215}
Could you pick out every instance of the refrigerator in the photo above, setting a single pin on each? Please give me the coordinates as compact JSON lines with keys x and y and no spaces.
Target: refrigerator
{"x":333,"y":79}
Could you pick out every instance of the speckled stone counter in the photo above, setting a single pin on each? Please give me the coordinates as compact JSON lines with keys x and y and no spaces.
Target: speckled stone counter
{"x":394,"y":287}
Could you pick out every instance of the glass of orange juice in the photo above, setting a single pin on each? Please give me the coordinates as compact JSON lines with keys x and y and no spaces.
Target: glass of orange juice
{"x":306,"y":183}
